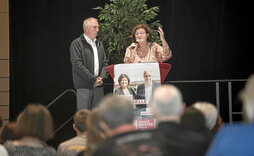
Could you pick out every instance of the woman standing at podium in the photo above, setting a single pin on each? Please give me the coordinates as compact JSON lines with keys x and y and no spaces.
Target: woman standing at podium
{"x":143,"y":51}
{"x":124,"y":82}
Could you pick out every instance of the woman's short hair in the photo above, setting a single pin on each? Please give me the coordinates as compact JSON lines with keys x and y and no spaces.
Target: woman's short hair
{"x":141,"y":26}
{"x":123,"y":76}
{"x":35,"y":121}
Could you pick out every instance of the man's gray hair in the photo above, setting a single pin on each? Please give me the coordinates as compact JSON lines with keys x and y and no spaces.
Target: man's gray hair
{"x":86,"y":22}
{"x":209,"y":111}
{"x":247,"y":97}
{"x":147,"y":71}
{"x":115,"y":111}
{"x":167,"y":101}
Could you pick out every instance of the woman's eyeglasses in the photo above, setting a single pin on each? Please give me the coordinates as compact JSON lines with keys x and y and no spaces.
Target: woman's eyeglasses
{"x":140,"y":33}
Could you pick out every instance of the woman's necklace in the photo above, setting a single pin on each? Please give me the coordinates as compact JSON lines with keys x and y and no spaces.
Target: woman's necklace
{"x":142,"y":53}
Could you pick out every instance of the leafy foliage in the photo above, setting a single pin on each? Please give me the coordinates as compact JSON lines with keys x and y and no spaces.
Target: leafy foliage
{"x":117,"y":19}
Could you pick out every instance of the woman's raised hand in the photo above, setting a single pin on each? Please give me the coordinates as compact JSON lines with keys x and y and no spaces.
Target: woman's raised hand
{"x":161,"y":32}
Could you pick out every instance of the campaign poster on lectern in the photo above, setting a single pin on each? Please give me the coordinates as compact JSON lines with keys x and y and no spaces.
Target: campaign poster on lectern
{"x":137,"y":81}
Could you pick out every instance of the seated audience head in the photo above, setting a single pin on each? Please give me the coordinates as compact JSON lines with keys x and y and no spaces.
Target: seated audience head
{"x":115,"y":111}
{"x":9,"y":132}
{"x":80,"y":118}
{"x":209,"y":111}
{"x":167,"y":103}
{"x":194,"y":120}
{"x":95,"y":135}
{"x":247,"y":97}
{"x":35,"y":121}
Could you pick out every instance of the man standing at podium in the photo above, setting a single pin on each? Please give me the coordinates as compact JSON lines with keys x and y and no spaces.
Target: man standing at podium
{"x":88,"y":65}
{"x":146,"y":89}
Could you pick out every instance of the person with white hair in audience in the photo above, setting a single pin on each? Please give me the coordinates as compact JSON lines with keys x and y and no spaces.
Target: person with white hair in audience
{"x":168,"y":107}
{"x":210,"y":112}
{"x":116,"y":118}
{"x":238,"y":138}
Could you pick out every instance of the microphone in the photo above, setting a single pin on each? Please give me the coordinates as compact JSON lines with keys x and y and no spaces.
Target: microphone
{"x":133,"y":45}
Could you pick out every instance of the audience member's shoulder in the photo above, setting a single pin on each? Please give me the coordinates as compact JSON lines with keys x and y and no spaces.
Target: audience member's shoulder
{"x":133,"y":142}
{"x":237,"y":128}
{"x":3,"y":151}
{"x":46,"y":149}
{"x":8,"y":144}
{"x":49,"y":148}
{"x":65,"y":143}
{"x":82,"y":153}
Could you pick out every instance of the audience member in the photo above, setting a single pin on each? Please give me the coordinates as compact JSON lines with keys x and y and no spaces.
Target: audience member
{"x":116,"y":119}
{"x":238,"y":138}
{"x":34,"y":126}
{"x":210,"y":112}
{"x":219,"y":123}
{"x":168,"y":107}
{"x":3,"y":151}
{"x":9,"y":132}
{"x":143,"y":51}
{"x":77,"y":144}
{"x":95,"y":135}
{"x":194,"y":119}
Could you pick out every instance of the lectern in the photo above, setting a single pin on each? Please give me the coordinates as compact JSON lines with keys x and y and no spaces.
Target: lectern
{"x":144,"y":118}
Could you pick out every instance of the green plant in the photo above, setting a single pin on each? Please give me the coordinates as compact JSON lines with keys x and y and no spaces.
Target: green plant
{"x":117,"y":18}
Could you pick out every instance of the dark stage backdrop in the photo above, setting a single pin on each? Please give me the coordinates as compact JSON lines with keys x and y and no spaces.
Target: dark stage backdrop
{"x":209,"y":39}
